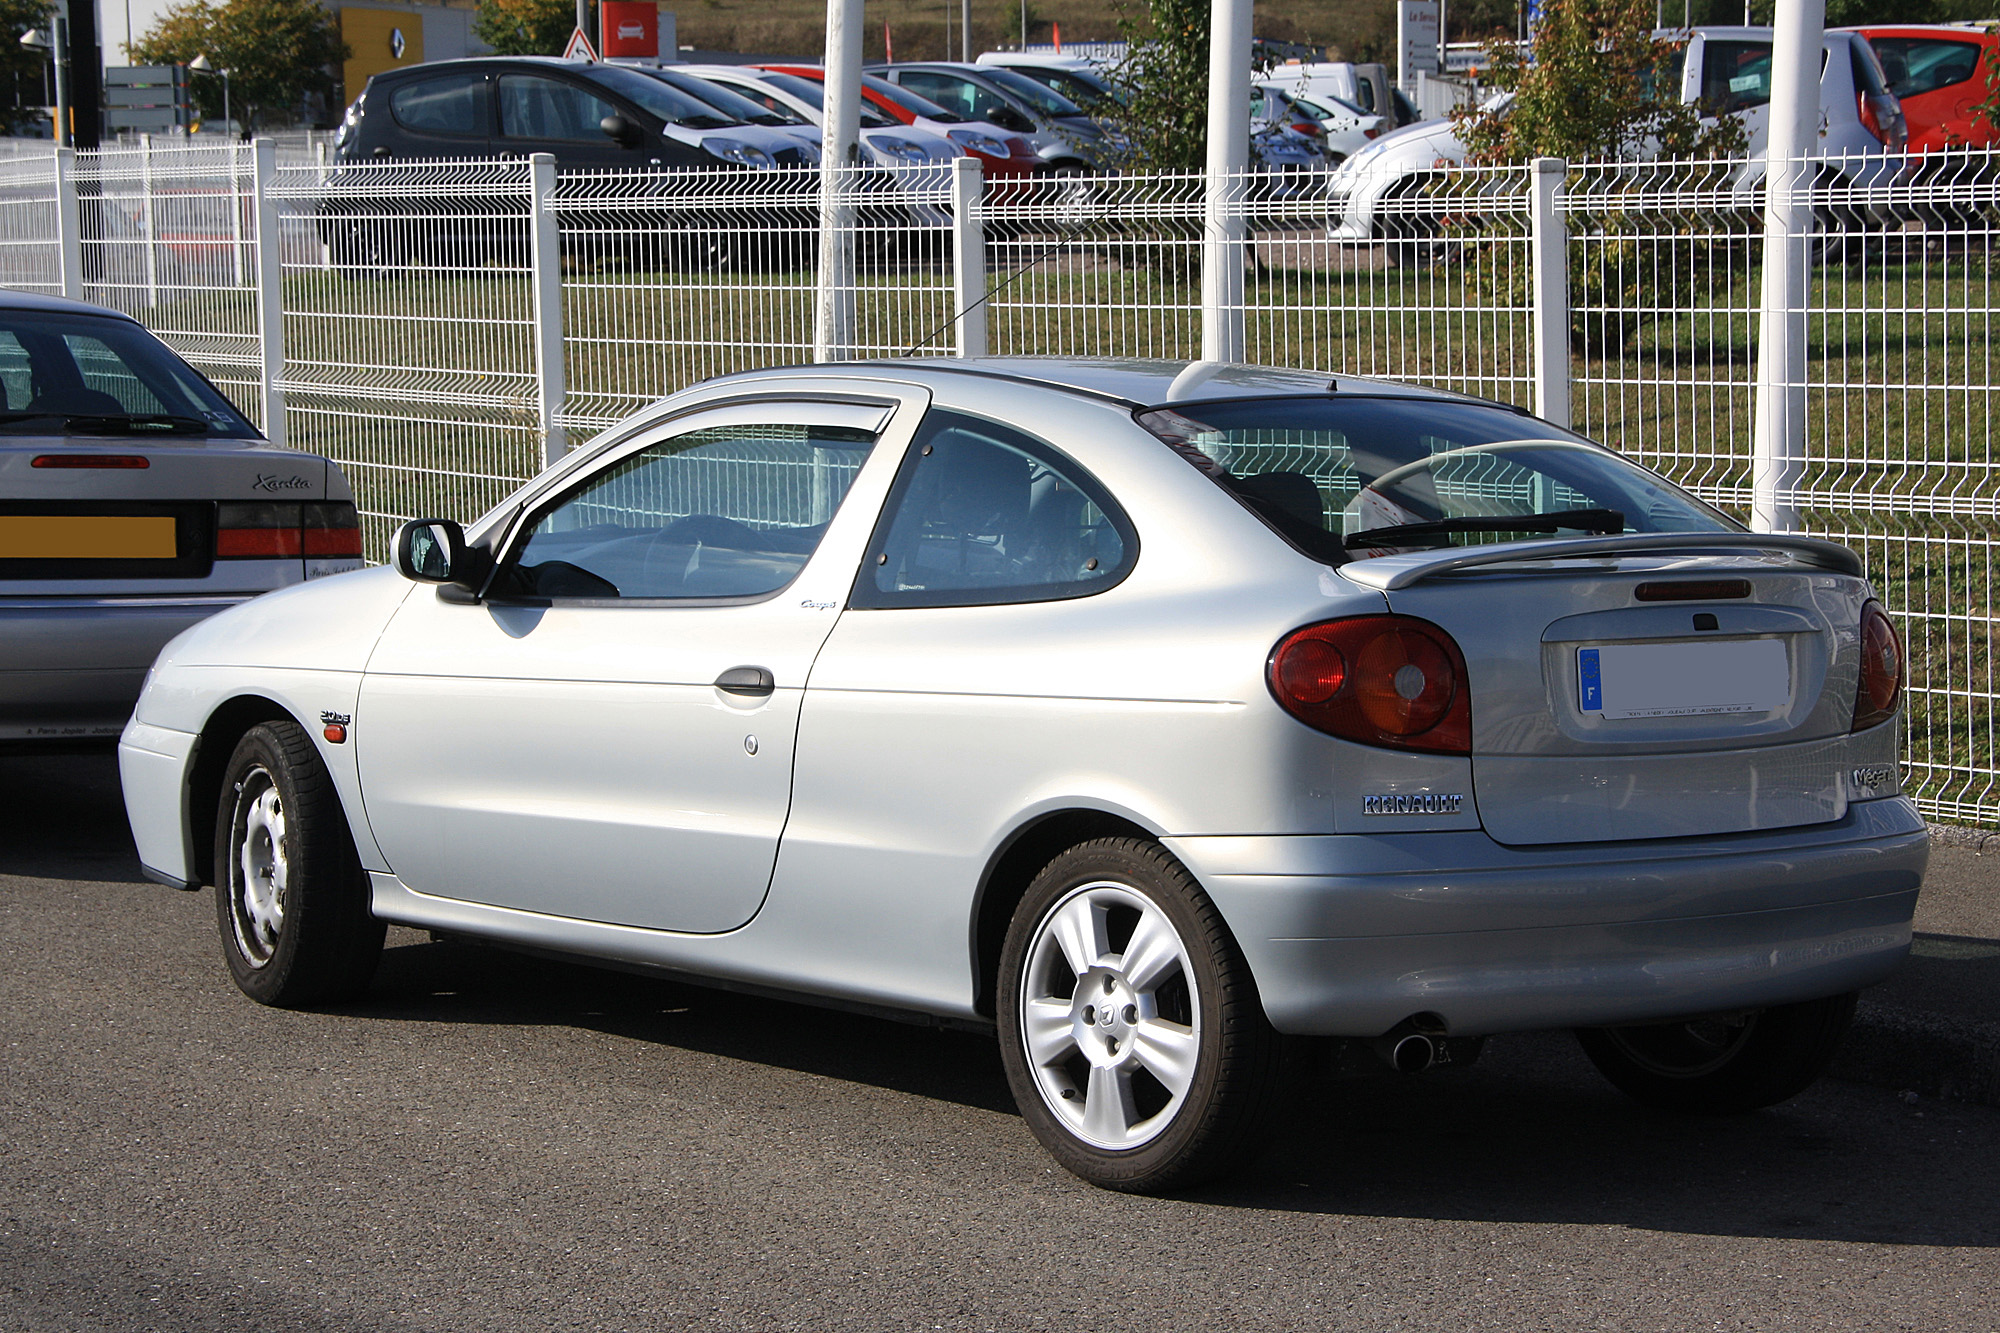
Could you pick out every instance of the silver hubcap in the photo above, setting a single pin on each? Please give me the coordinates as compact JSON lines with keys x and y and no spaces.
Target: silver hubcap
{"x":1110,"y":1016}
{"x":260,"y":869}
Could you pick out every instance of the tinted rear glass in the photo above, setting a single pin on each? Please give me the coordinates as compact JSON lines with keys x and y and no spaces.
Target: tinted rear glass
{"x":69,"y":373}
{"x":452,"y":104}
{"x":1320,"y":470}
{"x":1917,"y":65}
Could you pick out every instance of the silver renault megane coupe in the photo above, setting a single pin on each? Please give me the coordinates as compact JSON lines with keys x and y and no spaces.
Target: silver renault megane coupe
{"x":1158,"y":717}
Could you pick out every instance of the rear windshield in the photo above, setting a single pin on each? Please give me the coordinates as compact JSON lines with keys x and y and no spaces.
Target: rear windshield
{"x":79,"y":374}
{"x":1045,"y":100}
{"x":1345,"y":477}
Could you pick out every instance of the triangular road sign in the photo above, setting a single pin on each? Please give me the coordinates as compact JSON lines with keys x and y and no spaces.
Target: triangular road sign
{"x":579,"y":48}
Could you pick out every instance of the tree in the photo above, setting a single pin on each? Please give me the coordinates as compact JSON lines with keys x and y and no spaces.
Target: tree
{"x":1592,"y":90}
{"x":1163,"y":83}
{"x":527,"y":27}
{"x":25,"y":71}
{"x":277,"y":53}
{"x":1596,"y":88}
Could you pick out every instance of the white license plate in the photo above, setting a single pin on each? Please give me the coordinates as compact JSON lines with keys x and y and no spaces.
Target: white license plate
{"x":1684,"y":679}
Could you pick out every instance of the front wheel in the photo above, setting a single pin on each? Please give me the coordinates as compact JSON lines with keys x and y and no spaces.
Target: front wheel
{"x":1130,"y":1028}
{"x":291,"y":899}
{"x":1723,"y":1065}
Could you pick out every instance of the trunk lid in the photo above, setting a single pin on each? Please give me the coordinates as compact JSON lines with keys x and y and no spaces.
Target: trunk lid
{"x":140,"y":513}
{"x":1649,"y":695}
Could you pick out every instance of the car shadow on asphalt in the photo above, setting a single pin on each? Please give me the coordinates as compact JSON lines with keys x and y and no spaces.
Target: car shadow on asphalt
{"x":1530,"y":1134}
{"x":62,"y":816}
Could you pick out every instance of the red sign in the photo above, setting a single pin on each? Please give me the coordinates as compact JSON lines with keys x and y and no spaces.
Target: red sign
{"x":632,"y":28}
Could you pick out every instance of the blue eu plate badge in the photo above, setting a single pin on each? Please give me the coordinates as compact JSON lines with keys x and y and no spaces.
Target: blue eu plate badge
{"x":1591,"y":677}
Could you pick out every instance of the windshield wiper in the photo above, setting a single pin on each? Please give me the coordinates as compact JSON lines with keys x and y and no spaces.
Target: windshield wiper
{"x":134,"y":421}
{"x":1561,"y":520}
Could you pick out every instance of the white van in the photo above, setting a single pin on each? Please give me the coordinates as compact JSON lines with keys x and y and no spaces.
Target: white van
{"x":1861,"y":130}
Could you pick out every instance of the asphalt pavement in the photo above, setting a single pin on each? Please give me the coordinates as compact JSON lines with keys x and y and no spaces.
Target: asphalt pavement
{"x":492,"y":1142}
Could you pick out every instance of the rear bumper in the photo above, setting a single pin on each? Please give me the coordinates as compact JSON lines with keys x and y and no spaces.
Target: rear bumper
{"x":71,"y":667}
{"x":1351,"y":934}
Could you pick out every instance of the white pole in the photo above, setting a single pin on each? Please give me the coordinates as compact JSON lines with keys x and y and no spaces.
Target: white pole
{"x":1223,"y":227}
{"x":270,"y":289}
{"x":968,"y":253}
{"x":69,"y":226}
{"x":1549,"y":241}
{"x":965,"y":28}
{"x":833,"y":312}
{"x":545,"y":293}
{"x":1777,"y":461}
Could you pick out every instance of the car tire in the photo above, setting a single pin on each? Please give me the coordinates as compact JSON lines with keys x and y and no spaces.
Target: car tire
{"x":1173,"y":1080}
{"x":1722,"y":1066}
{"x":291,"y":899}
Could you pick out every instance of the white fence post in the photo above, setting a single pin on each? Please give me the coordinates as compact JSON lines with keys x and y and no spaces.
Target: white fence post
{"x":147,"y":228}
{"x":1548,"y":239}
{"x":270,"y":289}
{"x":1778,"y":446}
{"x":968,"y":256}
{"x":69,"y":226}
{"x":545,"y":292}
{"x":1223,"y":225}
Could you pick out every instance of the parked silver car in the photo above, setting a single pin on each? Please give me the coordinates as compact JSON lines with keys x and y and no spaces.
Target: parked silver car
{"x":1156,"y":716}
{"x":134,"y":502}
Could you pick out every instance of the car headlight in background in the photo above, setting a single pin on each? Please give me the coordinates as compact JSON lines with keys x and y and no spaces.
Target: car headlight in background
{"x":975,"y":142}
{"x":735,"y":150}
{"x":900,"y":149}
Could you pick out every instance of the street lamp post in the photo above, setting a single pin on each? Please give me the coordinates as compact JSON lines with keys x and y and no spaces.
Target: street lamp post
{"x":58,"y":50}
{"x":201,"y":65}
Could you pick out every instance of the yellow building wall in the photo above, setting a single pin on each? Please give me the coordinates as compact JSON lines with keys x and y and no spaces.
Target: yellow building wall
{"x":367,"y":34}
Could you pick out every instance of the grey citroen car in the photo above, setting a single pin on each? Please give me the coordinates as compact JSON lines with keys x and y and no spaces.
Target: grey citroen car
{"x":134,"y":501}
{"x":1158,"y":718}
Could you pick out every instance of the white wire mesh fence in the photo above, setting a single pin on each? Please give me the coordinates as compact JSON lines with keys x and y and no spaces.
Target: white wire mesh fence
{"x":443,"y":327}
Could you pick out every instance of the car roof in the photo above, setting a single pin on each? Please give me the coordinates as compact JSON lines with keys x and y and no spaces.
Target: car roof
{"x":57,"y":305}
{"x":1135,"y":381}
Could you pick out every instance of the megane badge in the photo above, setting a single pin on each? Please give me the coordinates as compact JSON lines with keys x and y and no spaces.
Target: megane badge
{"x":1420,"y":803}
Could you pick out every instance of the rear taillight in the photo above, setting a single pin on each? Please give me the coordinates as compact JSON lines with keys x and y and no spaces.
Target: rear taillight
{"x":1379,"y":680}
{"x":1882,"y":116}
{"x":1880,"y":687}
{"x":259,"y":530}
{"x":331,"y":529}
{"x":1371,"y":131}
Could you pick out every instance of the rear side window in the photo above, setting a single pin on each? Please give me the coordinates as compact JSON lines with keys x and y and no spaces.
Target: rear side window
{"x":1917,"y":65}
{"x":984,"y":514}
{"x":454,"y":105}
{"x":1736,"y":75}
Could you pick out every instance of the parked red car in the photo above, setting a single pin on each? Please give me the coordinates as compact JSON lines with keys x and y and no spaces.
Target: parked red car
{"x":1939,"y":72}
{"x":1020,"y":158}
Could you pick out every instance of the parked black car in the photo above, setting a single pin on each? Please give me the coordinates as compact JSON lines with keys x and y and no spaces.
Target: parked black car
{"x":615,"y":124}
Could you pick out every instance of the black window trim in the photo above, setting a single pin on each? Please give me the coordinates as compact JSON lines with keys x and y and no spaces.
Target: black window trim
{"x":865,"y":596}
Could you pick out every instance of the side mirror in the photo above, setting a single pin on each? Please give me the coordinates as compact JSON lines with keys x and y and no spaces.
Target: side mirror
{"x":1007,"y":118}
{"x":622,"y":131}
{"x":431,"y":550}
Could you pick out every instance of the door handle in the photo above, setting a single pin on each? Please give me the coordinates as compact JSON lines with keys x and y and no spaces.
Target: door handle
{"x":751,"y":681}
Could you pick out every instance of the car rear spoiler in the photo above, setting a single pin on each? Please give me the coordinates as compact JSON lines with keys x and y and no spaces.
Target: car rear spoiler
{"x":1390,"y":572}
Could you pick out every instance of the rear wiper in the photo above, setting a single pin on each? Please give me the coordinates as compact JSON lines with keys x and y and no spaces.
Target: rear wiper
{"x":1561,"y":520}
{"x":135,"y":421}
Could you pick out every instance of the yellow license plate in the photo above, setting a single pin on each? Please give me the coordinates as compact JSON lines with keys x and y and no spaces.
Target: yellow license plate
{"x":86,"y":537}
